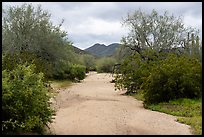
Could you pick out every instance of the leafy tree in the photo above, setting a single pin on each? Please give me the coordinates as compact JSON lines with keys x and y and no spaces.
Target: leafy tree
{"x":26,"y":29}
{"x":148,"y":66}
{"x":154,"y":31}
{"x":121,"y":53}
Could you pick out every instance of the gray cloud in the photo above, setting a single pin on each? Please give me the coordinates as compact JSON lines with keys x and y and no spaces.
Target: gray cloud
{"x":90,"y":22}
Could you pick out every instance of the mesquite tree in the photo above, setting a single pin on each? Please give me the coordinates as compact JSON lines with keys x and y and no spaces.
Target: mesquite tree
{"x":26,"y":28}
{"x":27,"y":31}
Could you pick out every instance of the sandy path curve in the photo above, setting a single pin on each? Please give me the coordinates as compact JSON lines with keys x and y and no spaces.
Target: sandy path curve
{"x":93,"y":107}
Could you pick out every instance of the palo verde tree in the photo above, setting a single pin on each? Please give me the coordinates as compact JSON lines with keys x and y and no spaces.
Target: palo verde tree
{"x":154,"y":31}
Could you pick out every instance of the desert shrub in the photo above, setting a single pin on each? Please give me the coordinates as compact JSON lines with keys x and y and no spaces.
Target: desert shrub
{"x":10,"y":61}
{"x":25,"y":101}
{"x":105,"y":65}
{"x":77,"y":72}
{"x":132,"y":72}
{"x":61,"y":70}
{"x":175,"y":77}
{"x":66,"y":70}
{"x":89,"y":61}
{"x":163,"y":78}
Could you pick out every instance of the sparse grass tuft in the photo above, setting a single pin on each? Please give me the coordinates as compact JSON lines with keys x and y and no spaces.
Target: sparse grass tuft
{"x":195,"y":122}
{"x":139,"y":95}
{"x":60,"y":83}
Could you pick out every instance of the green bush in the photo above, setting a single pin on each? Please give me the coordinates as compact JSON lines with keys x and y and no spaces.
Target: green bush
{"x":78,"y":72}
{"x":163,"y":78}
{"x":175,"y":77}
{"x":105,"y":65}
{"x":66,"y":70}
{"x":10,"y":61}
{"x":25,"y":101}
{"x":89,"y":61}
{"x":61,"y":70}
{"x":132,"y":72}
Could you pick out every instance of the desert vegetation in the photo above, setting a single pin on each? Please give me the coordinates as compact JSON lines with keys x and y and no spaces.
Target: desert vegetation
{"x":164,"y":62}
{"x":158,"y":62}
{"x":34,"y":51}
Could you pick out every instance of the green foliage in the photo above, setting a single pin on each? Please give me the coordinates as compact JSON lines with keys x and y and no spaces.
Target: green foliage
{"x":195,"y":123}
{"x":175,"y":77}
{"x":132,"y":73}
{"x":10,"y":62}
{"x":153,"y":65}
{"x":26,"y":28}
{"x":78,"y":72}
{"x":105,"y":64}
{"x":179,"y":107}
{"x":61,"y":70}
{"x":160,"y":63}
{"x":69,"y":71}
{"x":25,"y":101}
{"x":121,"y":53}
{"x":154,"y":31}
{"x":161,"y":79}
{"x":89,"y":61}
{"x":30,"y":36}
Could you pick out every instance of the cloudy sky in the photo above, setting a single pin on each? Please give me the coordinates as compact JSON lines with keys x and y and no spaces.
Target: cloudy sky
{"x":88,"y":23}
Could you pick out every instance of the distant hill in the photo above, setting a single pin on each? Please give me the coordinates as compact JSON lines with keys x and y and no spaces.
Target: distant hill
{"x":101,"y":50}
{"x":79,"y":51}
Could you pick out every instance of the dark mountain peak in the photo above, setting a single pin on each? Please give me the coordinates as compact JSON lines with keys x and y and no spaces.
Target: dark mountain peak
{"x":98,"y":44}
{"x":102,"y":50}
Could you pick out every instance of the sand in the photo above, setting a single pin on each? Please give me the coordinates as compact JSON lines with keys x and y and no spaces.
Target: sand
{"x":93,"y":107}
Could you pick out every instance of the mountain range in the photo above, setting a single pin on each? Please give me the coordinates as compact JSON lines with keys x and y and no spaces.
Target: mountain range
{"x":101,"y":50}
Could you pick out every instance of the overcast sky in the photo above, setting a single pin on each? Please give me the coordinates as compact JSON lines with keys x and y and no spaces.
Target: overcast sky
{"x":88,"y":23}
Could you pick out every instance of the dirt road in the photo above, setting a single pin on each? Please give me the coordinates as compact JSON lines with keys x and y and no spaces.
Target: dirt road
{"x":93,"y":107}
